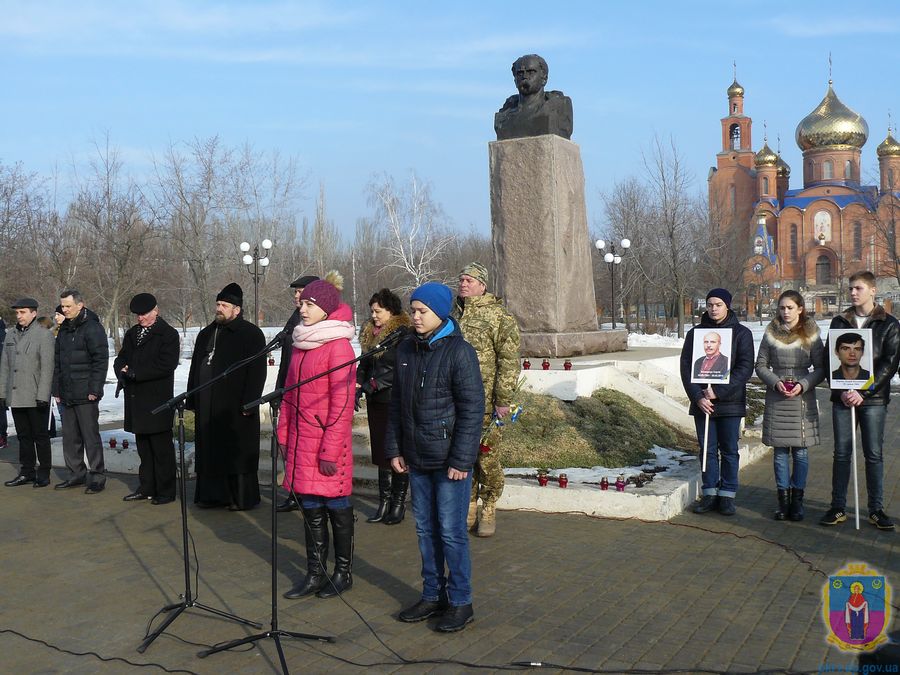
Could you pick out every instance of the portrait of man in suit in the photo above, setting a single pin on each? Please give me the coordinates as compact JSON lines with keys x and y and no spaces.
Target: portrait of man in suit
{"x":714,"y":364}
{"x":850,"y":348}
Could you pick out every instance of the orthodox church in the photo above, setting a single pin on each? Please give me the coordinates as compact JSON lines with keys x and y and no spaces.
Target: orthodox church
{"x":812,"y":238}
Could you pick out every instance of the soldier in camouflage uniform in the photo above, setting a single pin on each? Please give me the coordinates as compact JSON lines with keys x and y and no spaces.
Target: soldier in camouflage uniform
{"x":493,"y":331}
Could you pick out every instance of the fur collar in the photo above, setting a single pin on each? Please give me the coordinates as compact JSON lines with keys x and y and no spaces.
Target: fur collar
{"x":878,"y":314}
{"x":368,"y":339}
{"x":778,"y":332}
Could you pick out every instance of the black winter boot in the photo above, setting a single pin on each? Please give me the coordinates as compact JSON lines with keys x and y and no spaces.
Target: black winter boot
{"x":384,"y":495}
{"x":399,"y":490}
{"x":796,"y":505}
{"x":784,"y":504}
{"x":342,"y":529}
{"x":316,"y":528}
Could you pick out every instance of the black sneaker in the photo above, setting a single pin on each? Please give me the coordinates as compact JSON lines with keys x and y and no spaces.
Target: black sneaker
{"x":706,"y":503}
{"x":833,"y":517}
{"x":880,"y":520}
{"x":726,"y":506}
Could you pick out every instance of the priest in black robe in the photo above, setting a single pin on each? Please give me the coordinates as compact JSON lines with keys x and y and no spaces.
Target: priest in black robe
{"x":226,"y":439}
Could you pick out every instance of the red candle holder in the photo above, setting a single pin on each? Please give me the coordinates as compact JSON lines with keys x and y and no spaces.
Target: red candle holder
{"x":545,"y":364}
{"x":112,"y":442}
{"x":526,"y":364}
{"x":563,"y":480}
{"x":620,"y":483}
{"x":125,"y":443}
{"x":567,"y":365}
{"x":604,"y":483}
{"x":543,"y":479}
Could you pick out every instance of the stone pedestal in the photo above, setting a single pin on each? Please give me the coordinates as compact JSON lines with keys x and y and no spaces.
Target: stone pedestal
{"x":542,"y":251}
{"x":574,"y":344}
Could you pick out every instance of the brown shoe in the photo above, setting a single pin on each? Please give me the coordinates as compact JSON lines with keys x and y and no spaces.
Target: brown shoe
{"x":487,"y":523}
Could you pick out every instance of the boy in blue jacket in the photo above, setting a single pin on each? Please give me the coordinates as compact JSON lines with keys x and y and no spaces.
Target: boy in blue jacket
{"x":433,"y":434}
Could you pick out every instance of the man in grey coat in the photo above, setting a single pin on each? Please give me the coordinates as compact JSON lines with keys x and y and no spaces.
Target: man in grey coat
{"x":26,"y":375}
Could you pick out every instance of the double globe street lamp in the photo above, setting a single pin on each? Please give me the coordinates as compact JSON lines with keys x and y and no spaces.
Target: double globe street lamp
{"x":612,"y":257}
{"x":256,"y":263}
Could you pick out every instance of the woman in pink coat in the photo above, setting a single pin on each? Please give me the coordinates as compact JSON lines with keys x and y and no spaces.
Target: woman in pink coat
{"x":315,"y":431}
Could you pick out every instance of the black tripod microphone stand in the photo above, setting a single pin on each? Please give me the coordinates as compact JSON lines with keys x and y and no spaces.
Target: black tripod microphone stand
{"x":274,"y":632}
{"x":187,"y":598}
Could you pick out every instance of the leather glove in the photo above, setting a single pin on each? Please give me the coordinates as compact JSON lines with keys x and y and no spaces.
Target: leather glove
{"x":359,"y":395}
{"x":327,"y":468}
{"x":43,"y":404}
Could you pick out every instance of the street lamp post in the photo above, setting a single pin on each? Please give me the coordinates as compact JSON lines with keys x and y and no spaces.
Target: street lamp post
{"x":612,"y":257}
{"x":758,"y":268}
{"x":256,"y":264}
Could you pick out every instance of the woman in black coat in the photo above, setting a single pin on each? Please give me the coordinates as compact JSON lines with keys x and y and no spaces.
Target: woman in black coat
{"x":374,"y":379}
{"x":146,"y":367}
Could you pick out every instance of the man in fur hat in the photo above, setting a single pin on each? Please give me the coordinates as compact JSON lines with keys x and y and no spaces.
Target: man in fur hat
{"x":226,"y":437}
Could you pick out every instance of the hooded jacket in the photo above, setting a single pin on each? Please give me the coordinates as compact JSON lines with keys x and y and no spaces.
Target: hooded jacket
{"x":731,"y":398}
{"x":316,"y":420}
{"x":437,"y":404}
{"x":885,"y":350}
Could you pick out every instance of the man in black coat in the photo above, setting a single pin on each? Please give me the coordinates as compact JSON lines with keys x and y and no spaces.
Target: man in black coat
{"x":146,"y":367}
{"x":725,"y":404}
{"x":227,"y":438}
{"x":82,"y":359}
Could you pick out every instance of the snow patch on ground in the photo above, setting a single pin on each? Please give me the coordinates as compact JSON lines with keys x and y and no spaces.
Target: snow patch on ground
{"x":657,"y":458}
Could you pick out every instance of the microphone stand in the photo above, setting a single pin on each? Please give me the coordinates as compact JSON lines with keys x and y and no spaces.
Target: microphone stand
{"x":276,"y":633}
{"x":187,"y":598}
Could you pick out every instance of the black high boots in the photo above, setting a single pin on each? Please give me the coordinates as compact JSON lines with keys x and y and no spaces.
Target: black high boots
{"x":784,"y":504}
{"x":796,"y":505}
{"x":399,"y":490}
{"x":316,"y":528}
{"x":342,"y":529}
{"x":384,"y":495}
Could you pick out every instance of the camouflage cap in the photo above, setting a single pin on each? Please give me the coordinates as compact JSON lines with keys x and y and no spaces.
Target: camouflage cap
{"x":476,"y":271}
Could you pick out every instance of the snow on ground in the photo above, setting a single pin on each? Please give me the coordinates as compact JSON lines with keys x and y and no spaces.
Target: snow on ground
{"x":664,"y":458}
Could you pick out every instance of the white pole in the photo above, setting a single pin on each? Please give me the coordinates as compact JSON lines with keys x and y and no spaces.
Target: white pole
{"x":705,"y":440}
{"x":853,"y":460}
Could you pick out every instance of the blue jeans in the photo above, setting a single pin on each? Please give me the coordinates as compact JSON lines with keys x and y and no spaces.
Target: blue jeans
{"x":440,"y":506}
{"x":722,"y":459}
{"x":332,"y":503}
{"x":870,"y":419}
{"x":783,"y":478}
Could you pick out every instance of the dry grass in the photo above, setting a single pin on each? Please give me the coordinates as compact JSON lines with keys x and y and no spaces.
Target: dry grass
{"x":609,"y":429}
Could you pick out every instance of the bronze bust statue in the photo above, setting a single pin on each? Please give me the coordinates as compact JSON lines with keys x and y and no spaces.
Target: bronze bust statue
{"x":533,"y":112}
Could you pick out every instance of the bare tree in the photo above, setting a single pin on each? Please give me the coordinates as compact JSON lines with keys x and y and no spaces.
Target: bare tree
{"x":108,"y":211}
{"x":415,"y":227}
{"x":671,"y":240}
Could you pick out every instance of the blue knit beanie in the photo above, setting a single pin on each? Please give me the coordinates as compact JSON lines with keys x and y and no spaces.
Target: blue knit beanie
{"x":436,"y":296}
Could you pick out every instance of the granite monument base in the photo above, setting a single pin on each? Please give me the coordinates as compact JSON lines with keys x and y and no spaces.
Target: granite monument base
{"x":542,"y":250}
{"x":557,"y":345}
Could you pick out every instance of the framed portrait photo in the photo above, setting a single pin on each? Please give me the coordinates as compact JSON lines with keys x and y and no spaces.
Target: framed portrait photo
{"x":851,"y":362}
{"x":711,"y":356}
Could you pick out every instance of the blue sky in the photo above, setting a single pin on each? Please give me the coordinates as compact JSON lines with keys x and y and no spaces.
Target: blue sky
{"x":354,"y":89}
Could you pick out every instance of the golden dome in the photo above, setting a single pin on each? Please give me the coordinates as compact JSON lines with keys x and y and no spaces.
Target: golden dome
{"x":831,"y":123}
{"x":766,"y":156}
{"x":782,"y":169}
{"x":889,"y":147}
{"x":735,"y":89}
